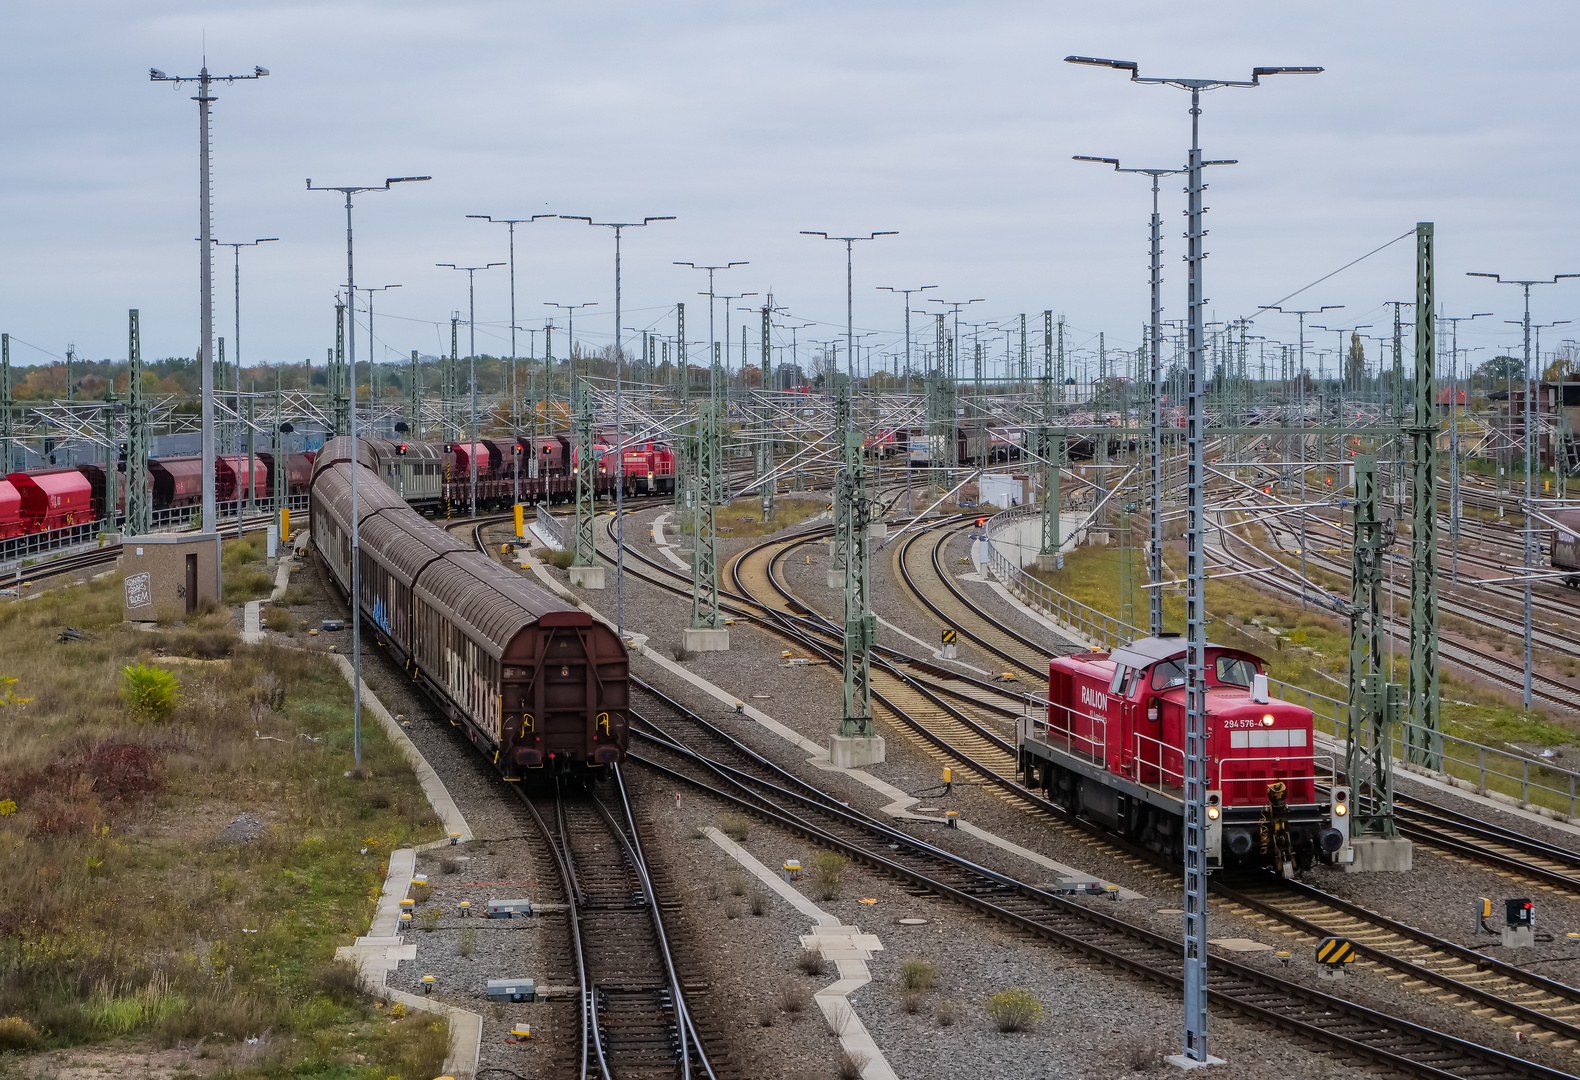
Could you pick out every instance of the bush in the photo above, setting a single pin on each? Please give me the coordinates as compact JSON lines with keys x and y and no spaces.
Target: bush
{"x":338,"y":980}
{"x":737,"y":884}
{"x":562,"y":559}
{"x":1014,"y":1009}
{"x":18,"y":1034}
{"x":944,"y":1015}
{"x":850,"y":1066}
{"x":736,"y":826}
{"x":278,"y":619}
{"x":810,"y":961}
{"x":918,"y":974}
{"x":468,"y":941}
{"x":151,"y":693}
{"x":828,"y":873}
{"x":759,"y":903}
{"x":791,"y":997}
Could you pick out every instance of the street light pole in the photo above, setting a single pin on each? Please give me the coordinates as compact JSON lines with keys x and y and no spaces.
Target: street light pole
{"x":236,"y":346}
{"x":373,"y":384}
{"x":1195,"y":1043}
{"x":206,"y":284}
{"x":1155,"y":347}
{"x":850,"y":516}
{"x":1300,"y":382}
{"x":1453,"y":442}
{"x":619,"y":414}
{"x":1525,"y":324}
{"x":356,"y":543}
{"x":471,"y":346}
{"x":515,"y":423}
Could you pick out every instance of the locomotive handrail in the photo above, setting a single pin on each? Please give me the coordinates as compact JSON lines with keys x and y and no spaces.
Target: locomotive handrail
{"x":1531,"y":780}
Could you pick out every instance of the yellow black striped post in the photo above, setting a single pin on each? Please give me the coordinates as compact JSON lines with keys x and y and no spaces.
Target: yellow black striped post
{"x":1335,"y":950}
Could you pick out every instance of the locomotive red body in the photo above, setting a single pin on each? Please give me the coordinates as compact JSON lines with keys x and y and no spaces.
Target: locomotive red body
{"x":1112,"y":750}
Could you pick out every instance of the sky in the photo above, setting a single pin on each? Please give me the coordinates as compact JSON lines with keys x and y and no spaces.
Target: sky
{"x":953,"y":124}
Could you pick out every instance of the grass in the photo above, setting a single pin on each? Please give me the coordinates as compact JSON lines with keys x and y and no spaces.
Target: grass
{"x":241,"y":576}
{"x":918,"y":974}
{"x":742,"y":519}
{"x":123,"y":911}
{"x":828,"y":874}
{"x":1014,"y":1009}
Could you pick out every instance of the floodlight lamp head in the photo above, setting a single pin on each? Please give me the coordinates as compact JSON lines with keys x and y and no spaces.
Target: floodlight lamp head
{"x":155,"y":75}
{"x":1095,"y":61}
{"x":1257,"y":73}
{"x":259,"y":72}
{"x":1223,"y":161}
{"x":1099,"y":160}
{"x":405,"y":180}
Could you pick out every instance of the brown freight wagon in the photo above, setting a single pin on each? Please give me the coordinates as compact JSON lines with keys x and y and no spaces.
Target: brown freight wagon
{"x":535,"y":683}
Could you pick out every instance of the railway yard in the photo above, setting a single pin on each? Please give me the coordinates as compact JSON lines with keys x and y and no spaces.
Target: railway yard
{"x":1050,"y":672}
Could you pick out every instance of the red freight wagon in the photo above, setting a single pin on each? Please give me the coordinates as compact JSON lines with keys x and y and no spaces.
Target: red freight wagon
{"x":11,"y":523}
{"x":177,"y":481}
{"x":1111,"y":750}
{"x":230,"y":478}
{"x":54,"y":500}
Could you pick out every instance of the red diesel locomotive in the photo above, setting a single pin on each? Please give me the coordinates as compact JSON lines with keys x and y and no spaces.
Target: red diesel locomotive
{"x":1112,"y":750}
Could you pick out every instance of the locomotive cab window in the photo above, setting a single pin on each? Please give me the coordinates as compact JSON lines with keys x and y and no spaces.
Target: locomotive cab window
{"x":1124,"y":679}
{"x":1235,"y":671}
{"x":1170,"y":674}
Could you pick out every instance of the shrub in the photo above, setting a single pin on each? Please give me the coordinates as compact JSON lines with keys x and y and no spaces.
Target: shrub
{"x":449,"y":865}
{"x":791,"y":996}
{"x":767,"y":1015}
{"x":737,"y":884}
{"x":420,"y":891}
{"x":918,"y":974}
{"x":736,"y":826}
{"x":338,"y":980}
{"x":18,"y":1034}
{"x":849,"y":1066}
{"x":732,"y":910}
{"x":431,"y":919}
{"x":944,"y":1014}
{"x":810,"y":961}
{"x":562,"y":559}
{"x":828,"y":873}
{"x":1014,"y":1009}
{"x":759,"y":903}
{"x":278,"y":619}
{"x":468,"y":941}
{"x":911,"y":1001}
{"x":151,"y":693}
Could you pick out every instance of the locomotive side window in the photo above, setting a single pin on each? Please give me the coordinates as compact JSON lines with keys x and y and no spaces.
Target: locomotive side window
{"x":1169,"y":675}
{"x":1235,"y":671}
{"x":1121,"y":680}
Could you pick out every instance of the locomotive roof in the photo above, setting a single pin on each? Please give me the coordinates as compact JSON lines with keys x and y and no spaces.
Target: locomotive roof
{"x":1149,"y":650}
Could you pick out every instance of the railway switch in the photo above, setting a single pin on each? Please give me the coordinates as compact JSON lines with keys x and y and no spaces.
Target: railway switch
{"x":509,"y":909}
{"x":1519,"y":924}
{"x":512,"y":990}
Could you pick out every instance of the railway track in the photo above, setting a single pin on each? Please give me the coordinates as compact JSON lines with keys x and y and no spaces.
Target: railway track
{"x":709,"y":759}
{"x":633,"y":1022}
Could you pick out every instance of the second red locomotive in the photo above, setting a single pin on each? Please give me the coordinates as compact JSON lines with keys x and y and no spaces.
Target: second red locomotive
{"x":1111,"y":750}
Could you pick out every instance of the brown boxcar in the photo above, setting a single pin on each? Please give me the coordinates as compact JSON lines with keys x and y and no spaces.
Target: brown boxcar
{"x":536,"y":684}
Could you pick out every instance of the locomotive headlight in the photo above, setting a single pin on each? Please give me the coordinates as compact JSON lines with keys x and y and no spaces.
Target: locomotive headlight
{"x":1267,"y":720}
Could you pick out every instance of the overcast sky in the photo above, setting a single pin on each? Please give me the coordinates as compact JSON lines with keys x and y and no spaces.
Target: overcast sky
{"x":953,"y":123}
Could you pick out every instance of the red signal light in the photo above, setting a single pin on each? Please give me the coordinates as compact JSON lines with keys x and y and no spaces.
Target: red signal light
{"x":981,"y":521}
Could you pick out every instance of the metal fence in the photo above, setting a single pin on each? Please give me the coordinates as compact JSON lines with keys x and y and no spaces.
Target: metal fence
{"x":551,"y":527}
{"x":1509,"y":770}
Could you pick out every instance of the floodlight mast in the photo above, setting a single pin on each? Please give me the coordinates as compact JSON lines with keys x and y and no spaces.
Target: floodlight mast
{"x":471,"y":345}
{"x":1528,"y":422}
{"x":351,"y":356}
{"x":619,"y":227}
{"x":206,"y":286}
{"x":236,"y":247}
{"x":515,"y":424}
{"x":1195,"y":917}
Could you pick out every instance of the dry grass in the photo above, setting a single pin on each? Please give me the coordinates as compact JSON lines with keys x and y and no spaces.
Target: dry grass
{"x":736,"y":826}
{"x":192,"y":877}
{"x":828,"y":874}
{"x":918,"y":974}
{"x":791,"y":996}
{"x":810,"y":961}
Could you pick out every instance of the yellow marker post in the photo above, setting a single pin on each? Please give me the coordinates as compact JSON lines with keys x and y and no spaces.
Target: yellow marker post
{"x":521,"y":517}
{"x":285,"y":523}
